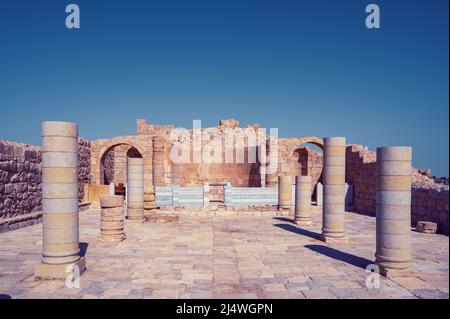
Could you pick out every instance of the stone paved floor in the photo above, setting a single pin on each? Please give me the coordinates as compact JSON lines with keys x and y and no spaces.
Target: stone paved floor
{"x":224,"y":257}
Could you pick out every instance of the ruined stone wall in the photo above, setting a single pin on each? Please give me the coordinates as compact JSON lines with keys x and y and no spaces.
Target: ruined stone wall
{"x":20,"y":185}
{"x":294,"y":161}
{"x":246,"y":174}
{"x":120,"y":164}
{"x":360,"y":173}
{"x":108,"y":167}
{"x":20,"y":182}
{"x":84,"y":165}
{"x":167,"y":172}
{"x":429,"y":200}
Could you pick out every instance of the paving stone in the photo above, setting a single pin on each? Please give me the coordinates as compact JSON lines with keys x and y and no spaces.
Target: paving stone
{"x":224,"y":257}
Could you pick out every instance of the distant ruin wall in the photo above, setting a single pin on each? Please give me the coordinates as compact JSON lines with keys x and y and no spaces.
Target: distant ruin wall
{"x":20,"y":182}
{"x":429,"y":200}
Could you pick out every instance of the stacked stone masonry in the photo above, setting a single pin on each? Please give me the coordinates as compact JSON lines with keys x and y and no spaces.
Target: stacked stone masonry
{"x":112,"y":221}
{"x":429,"y":199}
{"x":20,"y":182}
{"x":20,"y":185}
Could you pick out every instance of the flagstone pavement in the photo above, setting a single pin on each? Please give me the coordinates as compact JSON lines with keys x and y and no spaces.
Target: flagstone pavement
{"x":224,"y":257}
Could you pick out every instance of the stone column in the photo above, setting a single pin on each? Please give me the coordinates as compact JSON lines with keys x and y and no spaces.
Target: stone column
{"x":393,"y":208}
{"x":112,"y":218}
{"x":228,"y":194}
{"x":158,"y":161}
{"x":333,"y":227}
{"x":319,"y":194}
{"x":149,"y":199}
{"x":271,"y":162}
{"x":284,"y":192}
{"x":61,"y":252}
{"x":135,"y":194}
{"x":149,"y":189}
{"x":206,"y":195}
{"x":303,"y":200}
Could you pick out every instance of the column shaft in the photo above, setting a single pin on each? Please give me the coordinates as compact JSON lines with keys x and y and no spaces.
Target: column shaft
{"x":302,"y":200}
{"x":135,"y":190}
{"x":334,"y":188}
{"x":393,"y":208}
{"x":60,"y":193}
{"x":284,"y":192}
{"x":158,"y":161}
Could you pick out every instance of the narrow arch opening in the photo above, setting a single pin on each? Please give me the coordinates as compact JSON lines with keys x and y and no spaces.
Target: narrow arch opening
{"x":113,"y":164}
{"x":310,"y":159}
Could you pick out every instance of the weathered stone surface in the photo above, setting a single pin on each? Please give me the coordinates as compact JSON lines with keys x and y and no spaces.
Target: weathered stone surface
{"x":60,"y":222}
{"x":393,"y":200}
{"x":198,"y":257}
{"x":426,"y":227}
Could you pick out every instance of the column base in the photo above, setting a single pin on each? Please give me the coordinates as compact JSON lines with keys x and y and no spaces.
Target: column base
{"x":332,"y":240}
{"x":300,"y":222}
{"x":396,"y":273}
{"x":48,"y":272}
{"x":135,"y":221}
{"x":109,"y":238}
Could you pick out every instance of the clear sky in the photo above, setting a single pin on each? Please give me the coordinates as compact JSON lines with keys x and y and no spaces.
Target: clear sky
{"x":305,"y":67}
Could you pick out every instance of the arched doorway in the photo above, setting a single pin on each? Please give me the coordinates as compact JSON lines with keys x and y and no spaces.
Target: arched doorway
{"x":310,"y":158}
{"x":113,"y":164}
{"x":114,"y":152}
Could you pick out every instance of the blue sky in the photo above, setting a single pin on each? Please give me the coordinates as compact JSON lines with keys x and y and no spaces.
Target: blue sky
{"x":305,"y":67}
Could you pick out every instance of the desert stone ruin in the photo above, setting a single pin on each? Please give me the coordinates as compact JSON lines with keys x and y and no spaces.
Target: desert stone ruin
{"x":131,"y":177}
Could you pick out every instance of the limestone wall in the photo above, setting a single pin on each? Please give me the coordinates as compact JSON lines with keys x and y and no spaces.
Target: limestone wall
{"x":429,"y":199}
{"x":243,"y":173}
{"x":84,"y":165}
{"x":295,"y":160}
{"x":109,"y":167}
{"x":360,"y":172}
{"x":20,"y":185}
{"x":20,"y":182}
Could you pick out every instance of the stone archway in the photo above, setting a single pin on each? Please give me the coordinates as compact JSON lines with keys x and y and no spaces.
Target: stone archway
{"x":302,"y":150}
{"x":99,"y":148}
{"x":310,"y":158}
{"x":308,"y":140}
{"x":286,"y":148}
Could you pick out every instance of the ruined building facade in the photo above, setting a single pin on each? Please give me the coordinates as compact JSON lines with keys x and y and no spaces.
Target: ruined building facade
{"x":103,"y":161}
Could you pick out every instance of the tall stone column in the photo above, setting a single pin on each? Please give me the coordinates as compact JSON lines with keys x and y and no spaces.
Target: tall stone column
{"x":333,"y":224}
{"x":284,"y":193}
{"x":271,"y":162}
{"x":303,"y":200}
{"x":393,"y":208}
{"x":61,"y":252}
{"x":149,"y":188}
{"x":135,"y":189}
{"x":158,"y":161}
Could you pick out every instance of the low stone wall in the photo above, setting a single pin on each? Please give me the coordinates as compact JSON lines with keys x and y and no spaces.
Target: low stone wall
{"x":225,"y":211}
{"x":360,"y":173}
{"x":20,"y":185}
{"x":429,"y":200}
{"x":20,"y":182}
